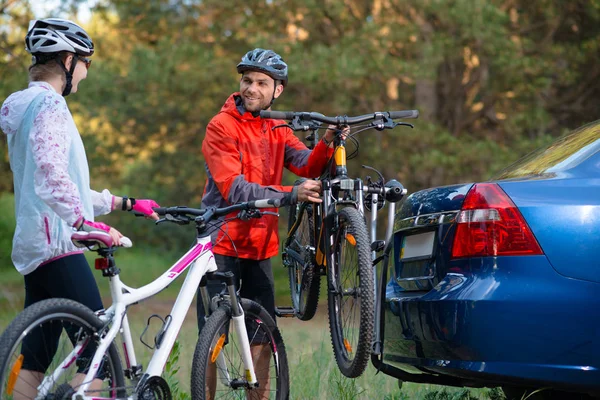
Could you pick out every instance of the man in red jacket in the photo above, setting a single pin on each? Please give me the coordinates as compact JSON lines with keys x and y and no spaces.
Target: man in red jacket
{"x":245,"y":159}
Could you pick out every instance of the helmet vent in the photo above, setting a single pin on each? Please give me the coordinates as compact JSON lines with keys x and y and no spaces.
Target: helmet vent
{"x":76,"y":40}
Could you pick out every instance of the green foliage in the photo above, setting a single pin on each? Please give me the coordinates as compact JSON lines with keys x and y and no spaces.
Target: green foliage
{"x":343,"y":388}
{"x":171,"y":369}
{"x":496,"y":394}
{"x":493,"y":80}
{"x":397,"y":396}
{"x":7,"y":228}
{"x":464,"y":394}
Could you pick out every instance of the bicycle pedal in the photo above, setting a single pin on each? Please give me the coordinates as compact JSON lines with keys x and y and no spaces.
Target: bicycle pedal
{"x":285,"y":312}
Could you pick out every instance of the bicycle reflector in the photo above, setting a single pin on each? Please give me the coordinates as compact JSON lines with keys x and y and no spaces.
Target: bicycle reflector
{"x":101,"y":263}
{"x":489,"y":224}
{"x":14,"y":374}
{"x":218,"y":347}
{"x":351,"y":239}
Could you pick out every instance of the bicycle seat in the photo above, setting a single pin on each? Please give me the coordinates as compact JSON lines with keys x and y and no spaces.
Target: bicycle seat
{"x":96,"y":240}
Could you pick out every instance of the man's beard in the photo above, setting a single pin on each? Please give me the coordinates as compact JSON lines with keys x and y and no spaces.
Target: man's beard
{"x":255,"y":106}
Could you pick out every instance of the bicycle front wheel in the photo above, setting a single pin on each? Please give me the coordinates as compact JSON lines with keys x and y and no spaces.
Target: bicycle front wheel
{"x":46,"y":351}
{"x":299,"y":258}
{"x":217,"y":367}
{"x":351,"y":297}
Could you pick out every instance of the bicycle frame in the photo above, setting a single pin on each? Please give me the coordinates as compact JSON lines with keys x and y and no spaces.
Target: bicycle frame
{"x":200,"y":261}
{"x":322,"y":223}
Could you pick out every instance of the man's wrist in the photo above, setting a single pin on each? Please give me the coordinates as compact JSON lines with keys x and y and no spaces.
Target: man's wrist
{"x":293,"y":199}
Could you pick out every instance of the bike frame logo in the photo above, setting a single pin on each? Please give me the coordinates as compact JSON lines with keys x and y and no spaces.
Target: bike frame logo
{"x":189,"y":258}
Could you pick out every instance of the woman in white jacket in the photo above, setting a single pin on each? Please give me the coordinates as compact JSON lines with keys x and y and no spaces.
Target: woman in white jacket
{"x":51,"y":181}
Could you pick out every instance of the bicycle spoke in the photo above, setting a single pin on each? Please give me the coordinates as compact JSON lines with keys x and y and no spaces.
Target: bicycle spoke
{"x":258,"y":333}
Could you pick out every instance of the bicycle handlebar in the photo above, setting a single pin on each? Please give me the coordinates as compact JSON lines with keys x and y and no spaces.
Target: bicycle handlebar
{"x":277,"y":114}
{"x":339,"y":120}
{"x":217,"y":212}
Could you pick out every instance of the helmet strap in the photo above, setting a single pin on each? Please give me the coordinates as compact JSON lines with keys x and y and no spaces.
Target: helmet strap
{"x":274,"y":90}
{"x":68,"y":73}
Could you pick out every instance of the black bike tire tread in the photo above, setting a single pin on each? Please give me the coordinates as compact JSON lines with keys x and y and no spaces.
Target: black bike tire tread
{"x":45,"y":307}
{"x":312,"y":277}
{"x":213,"y":324}
{"x":357,"y":366}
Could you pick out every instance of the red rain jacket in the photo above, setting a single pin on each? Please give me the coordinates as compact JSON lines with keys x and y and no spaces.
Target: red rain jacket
{"x":245,"y":158}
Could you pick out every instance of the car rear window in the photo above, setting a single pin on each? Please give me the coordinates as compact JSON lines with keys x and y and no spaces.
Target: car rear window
{"x":564,"y":153}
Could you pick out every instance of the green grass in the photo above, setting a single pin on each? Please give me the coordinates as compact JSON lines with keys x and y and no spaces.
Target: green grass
{"x":313,"y":372}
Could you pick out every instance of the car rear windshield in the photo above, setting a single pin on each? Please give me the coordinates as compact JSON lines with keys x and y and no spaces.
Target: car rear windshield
{"x":564,"y":153}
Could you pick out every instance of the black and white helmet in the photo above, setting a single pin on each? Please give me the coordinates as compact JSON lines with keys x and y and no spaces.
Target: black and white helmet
{"x":265,"y":61}
{"x":53,"y":35}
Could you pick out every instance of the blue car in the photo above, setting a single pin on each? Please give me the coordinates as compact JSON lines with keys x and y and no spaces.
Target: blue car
{"x":498,"y":283}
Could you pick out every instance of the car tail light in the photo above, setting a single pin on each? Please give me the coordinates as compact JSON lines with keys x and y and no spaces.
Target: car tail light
{"x":489,"y":224}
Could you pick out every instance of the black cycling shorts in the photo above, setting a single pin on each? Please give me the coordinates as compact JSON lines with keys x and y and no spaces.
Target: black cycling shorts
{"x":255,"y":278}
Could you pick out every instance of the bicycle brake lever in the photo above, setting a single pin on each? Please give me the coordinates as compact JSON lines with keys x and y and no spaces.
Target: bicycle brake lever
{"x":404,"y":124}
{"x":281,"y":126}
{"x":270,"y":213}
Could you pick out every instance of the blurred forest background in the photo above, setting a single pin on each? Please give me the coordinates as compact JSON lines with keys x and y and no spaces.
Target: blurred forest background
{"x":493,"y":79}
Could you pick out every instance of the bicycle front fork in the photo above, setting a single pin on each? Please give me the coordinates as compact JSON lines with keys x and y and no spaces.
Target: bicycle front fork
{"x":239,"y":324}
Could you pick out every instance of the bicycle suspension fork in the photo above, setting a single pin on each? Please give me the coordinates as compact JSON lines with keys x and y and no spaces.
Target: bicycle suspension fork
{"x":239,"y":323}
{"x":328,"y":229}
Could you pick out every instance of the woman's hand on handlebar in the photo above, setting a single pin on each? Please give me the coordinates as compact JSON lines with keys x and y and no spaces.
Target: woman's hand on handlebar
{"x":146,"y":207}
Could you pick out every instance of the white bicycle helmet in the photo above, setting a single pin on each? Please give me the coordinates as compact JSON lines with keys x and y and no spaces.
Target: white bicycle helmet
{"x":53,"y":35}
{"x":46,"y":38}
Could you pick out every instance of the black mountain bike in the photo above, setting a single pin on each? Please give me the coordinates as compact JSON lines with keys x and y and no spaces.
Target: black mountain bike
{"x":331,"y":239}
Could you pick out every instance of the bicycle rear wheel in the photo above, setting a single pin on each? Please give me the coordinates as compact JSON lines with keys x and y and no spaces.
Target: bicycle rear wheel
{"x":38,"y":355}
{"x":351,"y":298}
{"x":217,"y":367}
{"x":299,"y":258}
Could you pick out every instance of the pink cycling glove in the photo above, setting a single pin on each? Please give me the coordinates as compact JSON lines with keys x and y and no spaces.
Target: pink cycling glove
{"x":144,"y":206}
{"x":89,"y":226}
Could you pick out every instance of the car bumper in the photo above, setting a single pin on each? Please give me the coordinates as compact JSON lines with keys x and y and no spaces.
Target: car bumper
{"x":510,"y":318}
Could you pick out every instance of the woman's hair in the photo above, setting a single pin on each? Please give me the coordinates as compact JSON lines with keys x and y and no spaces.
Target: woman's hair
{"x":49,"y":69}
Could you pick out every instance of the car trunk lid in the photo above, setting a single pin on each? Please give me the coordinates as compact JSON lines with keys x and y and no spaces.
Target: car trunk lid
{"x":423,"y":229}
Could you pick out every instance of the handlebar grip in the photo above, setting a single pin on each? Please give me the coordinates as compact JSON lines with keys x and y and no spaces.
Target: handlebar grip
{"x":277,"y":114}
{"x":159,"y":210}
{"x":265,"y":203}
{"x":404,"y":114}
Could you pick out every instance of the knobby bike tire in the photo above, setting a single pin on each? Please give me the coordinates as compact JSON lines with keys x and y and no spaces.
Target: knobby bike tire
{"x":218,"y":336}
{"x":72,"y":321}
{"x":350,"y":299}
{"x":304,"y":278}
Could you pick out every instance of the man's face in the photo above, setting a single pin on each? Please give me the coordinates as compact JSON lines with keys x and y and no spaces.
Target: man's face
{"x":257,"y":90}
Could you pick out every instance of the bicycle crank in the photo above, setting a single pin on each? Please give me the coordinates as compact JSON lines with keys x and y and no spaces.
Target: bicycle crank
{"x":155,"y":388}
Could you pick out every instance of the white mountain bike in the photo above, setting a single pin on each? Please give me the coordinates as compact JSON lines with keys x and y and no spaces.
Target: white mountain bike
{"x":82,"y":355}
